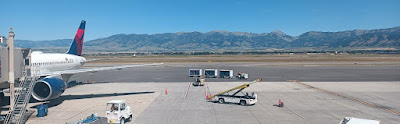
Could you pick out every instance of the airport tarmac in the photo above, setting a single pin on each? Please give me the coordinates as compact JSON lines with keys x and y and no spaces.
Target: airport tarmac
{"x":187,"y":104}
{"x":302,"y":104}
{"x":338,"y":90}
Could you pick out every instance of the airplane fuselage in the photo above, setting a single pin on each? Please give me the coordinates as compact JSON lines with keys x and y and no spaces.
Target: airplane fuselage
{"x":53,"y":70}
{"x":51,"y":62}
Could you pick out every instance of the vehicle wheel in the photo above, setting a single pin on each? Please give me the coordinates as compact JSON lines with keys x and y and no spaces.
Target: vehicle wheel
{"x":122,"y":121}
{"x":221,"y":100}
{"x":243,"y":103}
{"x":130,"y":118}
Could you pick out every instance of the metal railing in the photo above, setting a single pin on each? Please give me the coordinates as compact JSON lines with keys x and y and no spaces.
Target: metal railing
{"x":22,"y":95}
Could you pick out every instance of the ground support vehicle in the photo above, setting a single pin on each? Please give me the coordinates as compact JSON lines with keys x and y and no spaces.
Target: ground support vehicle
{"x":242,"y":75}
{"x":231,"y":95}
{"x":199,"y":81}
{"x":118,"y":112}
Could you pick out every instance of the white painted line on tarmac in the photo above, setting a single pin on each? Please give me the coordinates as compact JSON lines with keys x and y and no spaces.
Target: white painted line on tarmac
{"x":187,"y":91}
{"x":81,"y":112}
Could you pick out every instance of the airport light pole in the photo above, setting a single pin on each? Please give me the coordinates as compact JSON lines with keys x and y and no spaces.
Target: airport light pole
{"x":11,"y":78}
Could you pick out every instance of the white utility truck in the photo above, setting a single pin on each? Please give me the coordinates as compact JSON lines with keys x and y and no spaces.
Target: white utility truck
{"x":244,"y":99}
{"x":118,"y":112}
{"x":242,"y":75}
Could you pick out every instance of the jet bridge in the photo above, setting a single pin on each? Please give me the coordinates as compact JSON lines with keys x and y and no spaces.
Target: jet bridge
{"x":18,"y":59}
{"x":21,"y":64}
{"x":15,"y":69}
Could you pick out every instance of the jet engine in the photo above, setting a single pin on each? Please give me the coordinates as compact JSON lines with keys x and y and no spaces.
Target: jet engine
{"x":48,"y":88}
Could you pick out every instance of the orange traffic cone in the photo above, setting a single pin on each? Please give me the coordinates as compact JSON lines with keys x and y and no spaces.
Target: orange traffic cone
{"x":166,"y":91}
{"x":280,"y":103}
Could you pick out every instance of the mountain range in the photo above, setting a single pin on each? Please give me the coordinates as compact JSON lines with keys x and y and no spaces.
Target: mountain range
{"x":225,"y":40}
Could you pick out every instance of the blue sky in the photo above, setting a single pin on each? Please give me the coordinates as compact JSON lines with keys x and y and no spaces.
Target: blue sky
{"x":59,"y":19}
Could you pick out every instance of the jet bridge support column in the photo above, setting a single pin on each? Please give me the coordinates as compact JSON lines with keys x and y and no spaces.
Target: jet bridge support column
{"x":11,"y":65}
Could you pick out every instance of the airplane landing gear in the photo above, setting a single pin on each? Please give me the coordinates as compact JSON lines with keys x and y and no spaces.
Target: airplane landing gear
{"x":1,"y":98}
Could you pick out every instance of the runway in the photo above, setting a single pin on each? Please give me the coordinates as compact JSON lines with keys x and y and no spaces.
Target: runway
{"x":269,"y":72}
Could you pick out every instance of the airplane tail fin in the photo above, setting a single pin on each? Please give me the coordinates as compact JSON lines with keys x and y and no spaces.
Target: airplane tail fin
{"x":77,"y":44}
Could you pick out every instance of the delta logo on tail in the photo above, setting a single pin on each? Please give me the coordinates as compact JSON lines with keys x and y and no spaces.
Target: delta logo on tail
{"x":77,"y":44}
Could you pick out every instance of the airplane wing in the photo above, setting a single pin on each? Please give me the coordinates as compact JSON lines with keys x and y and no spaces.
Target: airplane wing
{"x":70,"y":72}
{"x":100,"y":59}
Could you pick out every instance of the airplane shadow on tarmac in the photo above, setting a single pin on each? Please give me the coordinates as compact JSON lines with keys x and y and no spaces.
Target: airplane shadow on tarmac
{"x":62,"y":98}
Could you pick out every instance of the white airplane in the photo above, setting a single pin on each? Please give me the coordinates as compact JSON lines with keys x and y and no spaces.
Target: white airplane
{"x":55,"y":69}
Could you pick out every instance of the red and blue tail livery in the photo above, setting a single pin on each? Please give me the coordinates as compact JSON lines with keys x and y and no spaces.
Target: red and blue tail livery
{"x":77,"y":44}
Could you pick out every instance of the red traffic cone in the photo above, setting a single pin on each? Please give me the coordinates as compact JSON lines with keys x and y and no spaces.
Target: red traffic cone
{"x":166,"y":91}
{"x":279,"y":101}
{"x":207,"y":96}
